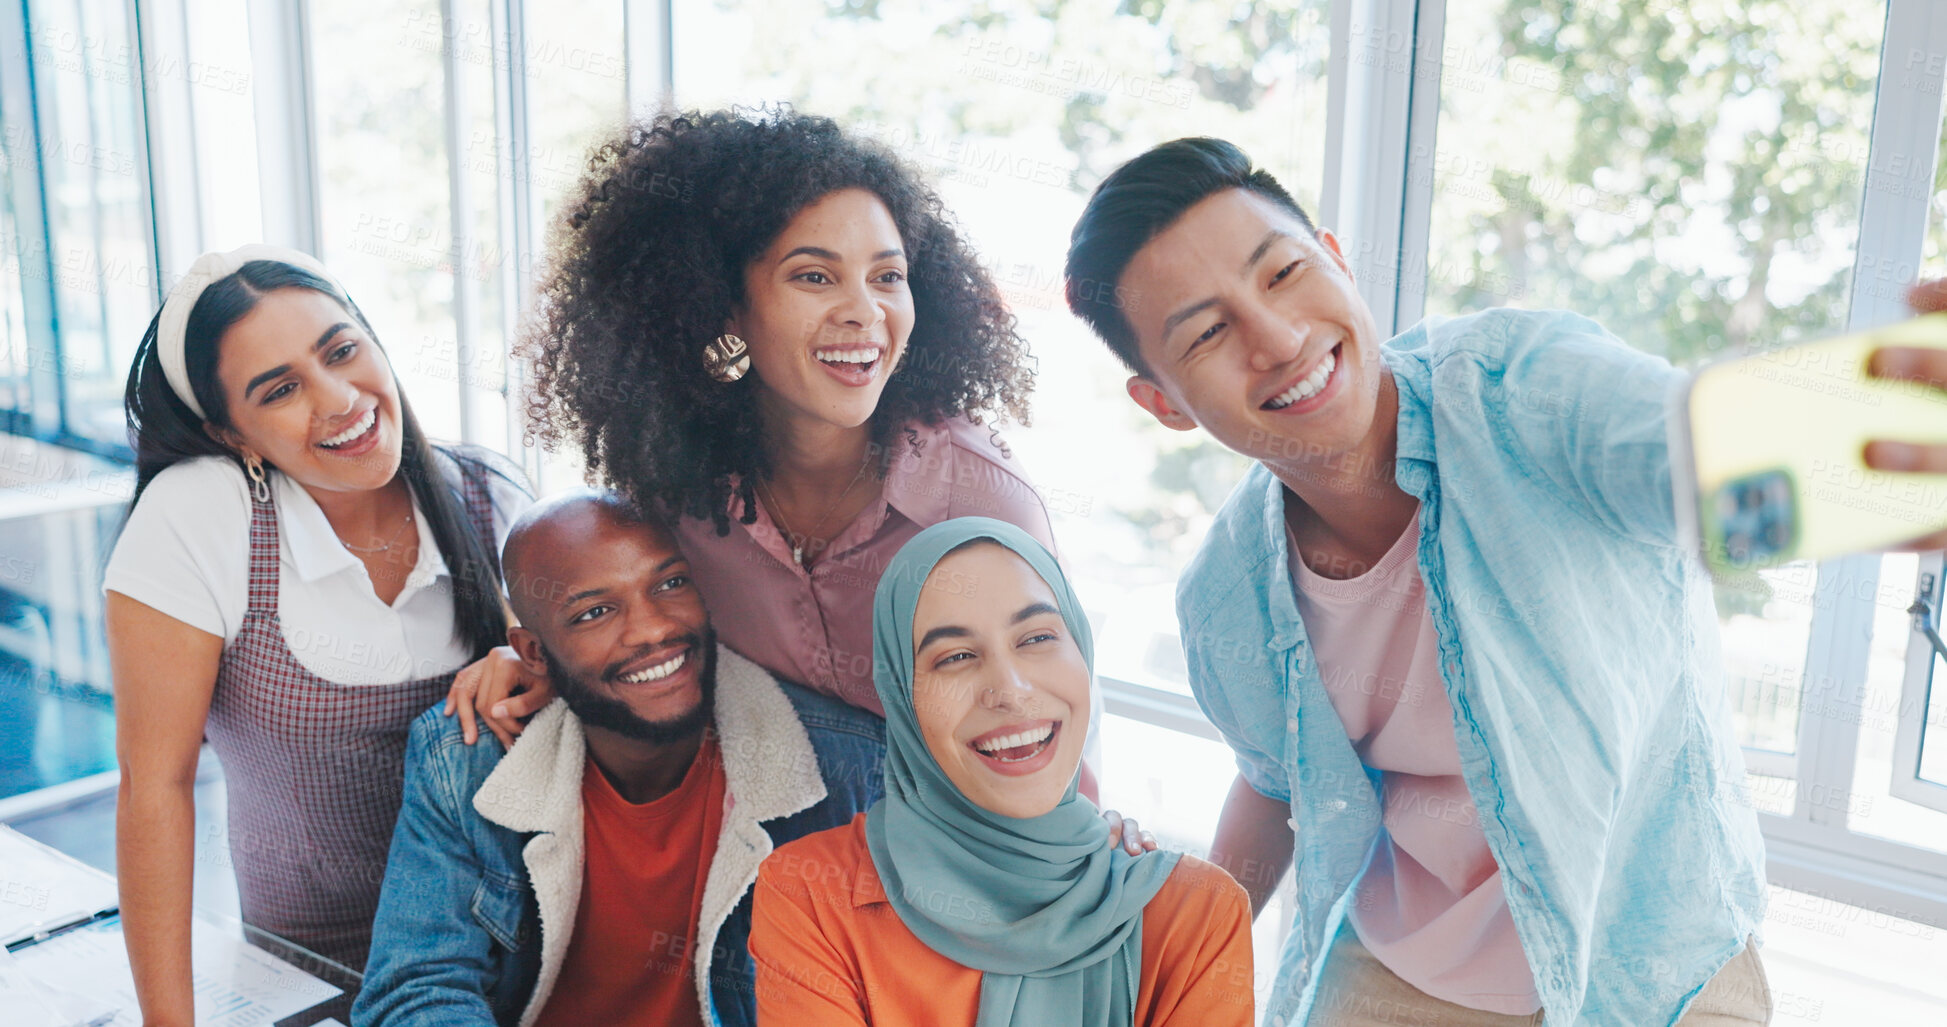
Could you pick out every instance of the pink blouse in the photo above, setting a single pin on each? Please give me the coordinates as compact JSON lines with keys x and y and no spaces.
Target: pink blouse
{"x":814,"y":628}
{"x":1430,"y":905}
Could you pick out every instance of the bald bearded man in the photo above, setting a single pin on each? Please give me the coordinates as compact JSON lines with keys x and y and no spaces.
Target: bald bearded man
{"x":600,"y":870}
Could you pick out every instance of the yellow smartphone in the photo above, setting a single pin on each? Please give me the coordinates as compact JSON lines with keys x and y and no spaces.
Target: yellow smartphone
{"x":1768,"y":452}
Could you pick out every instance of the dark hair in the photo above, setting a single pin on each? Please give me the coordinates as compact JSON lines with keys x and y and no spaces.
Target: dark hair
{"x":649,"y":264}
{"x":163,"y":431}
{"x":1133,"y":205}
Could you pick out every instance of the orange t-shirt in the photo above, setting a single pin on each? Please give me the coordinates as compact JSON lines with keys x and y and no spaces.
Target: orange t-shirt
{"x":630,"y":961}
{"x":831,"y":950}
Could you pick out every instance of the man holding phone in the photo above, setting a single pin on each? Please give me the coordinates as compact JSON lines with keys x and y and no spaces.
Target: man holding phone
{"x":1470,"y":676}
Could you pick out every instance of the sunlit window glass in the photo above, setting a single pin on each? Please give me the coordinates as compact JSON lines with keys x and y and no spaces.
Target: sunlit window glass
{"x":95,"y":185}
{"x":383,"y":197}
{"x":1016,"y":111}
{"x":1689,"y":175}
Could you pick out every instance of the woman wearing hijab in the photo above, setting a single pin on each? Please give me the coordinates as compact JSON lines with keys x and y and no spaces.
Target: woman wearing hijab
{"x":980,"y":891}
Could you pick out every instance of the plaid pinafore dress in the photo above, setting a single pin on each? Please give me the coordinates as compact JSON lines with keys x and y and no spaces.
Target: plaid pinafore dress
{"x":314,"y":769}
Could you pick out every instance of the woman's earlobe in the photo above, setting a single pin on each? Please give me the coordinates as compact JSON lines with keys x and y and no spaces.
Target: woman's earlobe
{"x":253,"y":464}
{"x":227,"y":439}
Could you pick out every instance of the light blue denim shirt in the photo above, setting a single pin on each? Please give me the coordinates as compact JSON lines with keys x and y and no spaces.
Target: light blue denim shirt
{"x":1578,"y":646}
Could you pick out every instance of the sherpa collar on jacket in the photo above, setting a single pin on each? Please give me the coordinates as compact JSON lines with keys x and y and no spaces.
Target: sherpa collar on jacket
{"x":770,"y":771}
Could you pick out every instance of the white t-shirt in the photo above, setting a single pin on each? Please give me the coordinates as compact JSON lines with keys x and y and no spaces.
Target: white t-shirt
{"x":186,"y":552}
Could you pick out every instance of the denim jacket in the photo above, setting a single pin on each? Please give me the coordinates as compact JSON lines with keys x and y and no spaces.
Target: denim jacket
{"x":1578,"y":646}
{"x":485,"y":872}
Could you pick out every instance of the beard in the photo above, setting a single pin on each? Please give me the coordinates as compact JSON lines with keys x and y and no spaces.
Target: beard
{"x":595,"y":709}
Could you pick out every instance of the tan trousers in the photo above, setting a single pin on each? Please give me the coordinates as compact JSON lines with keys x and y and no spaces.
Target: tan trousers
{"x":1358,"y":991}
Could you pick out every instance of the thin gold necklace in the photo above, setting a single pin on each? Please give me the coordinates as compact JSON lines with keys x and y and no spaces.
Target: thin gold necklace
{"x":798,"y":541}
{"x":390,"y":540}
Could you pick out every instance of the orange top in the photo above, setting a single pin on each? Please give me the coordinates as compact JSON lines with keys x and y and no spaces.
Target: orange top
{"x":630,"y":961}
{"x":831,"y":950}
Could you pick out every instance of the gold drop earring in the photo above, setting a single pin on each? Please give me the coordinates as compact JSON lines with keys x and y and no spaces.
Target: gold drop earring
{"x":253,"y":468}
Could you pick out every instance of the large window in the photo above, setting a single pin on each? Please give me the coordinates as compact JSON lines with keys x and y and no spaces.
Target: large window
{"x":1688,"y":176}
{"x":16,"y":388}
{"x":1705,"y":180}
{"x":1701,"y":178}
{"x":80,"y":231}
{"x":78,"y":284}
{"x":1017,"y":110}
{"x":388,"y":236}
{"x":1694,"y":177}
{"x":215,"y":69}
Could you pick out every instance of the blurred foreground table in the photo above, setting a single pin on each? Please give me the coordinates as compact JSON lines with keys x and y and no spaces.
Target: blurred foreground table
{"x":66,"y":963}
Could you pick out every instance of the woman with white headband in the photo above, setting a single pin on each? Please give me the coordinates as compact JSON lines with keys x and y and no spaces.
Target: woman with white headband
{"x":300,"y":575}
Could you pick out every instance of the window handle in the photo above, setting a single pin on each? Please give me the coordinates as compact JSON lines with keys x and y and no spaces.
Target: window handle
{"x":1923,"y":615}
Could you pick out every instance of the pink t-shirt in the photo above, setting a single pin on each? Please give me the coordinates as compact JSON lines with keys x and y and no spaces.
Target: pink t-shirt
{"x":1430,"y":905}
{"x":814,"y":628}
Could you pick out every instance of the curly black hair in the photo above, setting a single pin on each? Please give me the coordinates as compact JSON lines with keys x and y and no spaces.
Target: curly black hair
{"x":649,"y":264}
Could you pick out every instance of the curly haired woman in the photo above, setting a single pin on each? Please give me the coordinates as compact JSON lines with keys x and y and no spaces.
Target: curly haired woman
{"x":772,"y":329}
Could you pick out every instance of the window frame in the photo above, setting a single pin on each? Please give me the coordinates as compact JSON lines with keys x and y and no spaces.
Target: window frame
{"x":1916,"y":692}
{"x":1382,"y":121}
{"x":49,"y":418}
{"x":20,"y":115}
{"x":1385,"y":131}
{"x":1815,"y":846}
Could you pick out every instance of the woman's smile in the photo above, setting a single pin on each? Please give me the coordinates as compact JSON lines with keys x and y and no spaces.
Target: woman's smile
{"x":1016,"y":749}
{"x":828,"y":309}
{"x":357,"y":439}
{"x":851,"y":365}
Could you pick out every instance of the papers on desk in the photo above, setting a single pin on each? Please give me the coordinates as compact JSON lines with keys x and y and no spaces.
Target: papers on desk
{"x":235,"y":983}
{"x":40,"y":889}
{"x":61,"y":975}
{"x":29,"y":1001}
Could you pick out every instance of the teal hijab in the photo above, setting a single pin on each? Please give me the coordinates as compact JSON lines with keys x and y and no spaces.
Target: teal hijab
{"x":1047,"y":911}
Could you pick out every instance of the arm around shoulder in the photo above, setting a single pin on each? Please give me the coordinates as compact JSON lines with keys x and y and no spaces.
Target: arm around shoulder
{"x":1254,"y":841}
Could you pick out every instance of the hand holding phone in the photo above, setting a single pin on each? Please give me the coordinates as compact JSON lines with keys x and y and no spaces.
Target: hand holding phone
{"x":1913,"y":364}
{"x":1815,"y":450}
